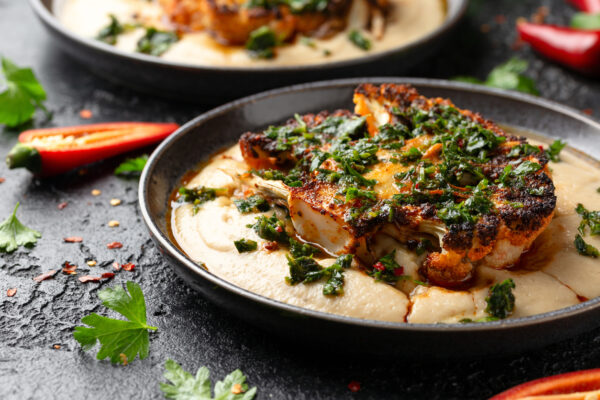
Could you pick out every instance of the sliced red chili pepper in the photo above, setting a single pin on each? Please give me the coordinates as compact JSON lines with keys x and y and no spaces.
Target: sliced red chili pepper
{"x":53,"y":151}
{"x":379,"y":266}
{"x":588,"y":6}
{"x":573,"y":48}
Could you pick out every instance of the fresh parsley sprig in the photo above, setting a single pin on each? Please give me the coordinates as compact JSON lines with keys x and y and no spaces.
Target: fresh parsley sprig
{"x":506,"y":76}
{"x":22,"y":94}
{"x":120,"y":340}
{"x":185,"y":386}
{"x":132,"y":167}
{"x":14,"y":234}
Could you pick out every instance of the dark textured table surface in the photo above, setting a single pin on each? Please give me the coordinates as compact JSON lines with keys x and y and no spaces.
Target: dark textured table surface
{"x":191,"y":330}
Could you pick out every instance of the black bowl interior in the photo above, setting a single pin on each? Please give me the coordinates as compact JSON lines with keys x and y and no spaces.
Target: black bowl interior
{"x":221,"y":127}
{"x":213,"y":85}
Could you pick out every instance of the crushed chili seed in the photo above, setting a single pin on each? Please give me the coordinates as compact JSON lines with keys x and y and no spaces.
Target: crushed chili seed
{"x":73,"y":239}
{"x":128,"y":266}
{"x":45,"y":275}
{"x":588,"y":111}
{"x":270,"y":246}
{"x":69,"y":268}
{"x":11,"y":292}
{"x":115,"y":202}
{"x":354,"y":386}
{"x":62,"y":205}
{"x":91,"y":263}
{"x":236,"y":389}
{"x":108,"y":275}
{"x":116,"y":266}
{"x":85,"y":114}
{"x":113,"y":224}
{"x":89,"y":278}
{"x":56,"y":346}
{"x":96,"y":192}
{"x":114,"y":245}
{"x":2,"y":180}
{"x":123,"y":358}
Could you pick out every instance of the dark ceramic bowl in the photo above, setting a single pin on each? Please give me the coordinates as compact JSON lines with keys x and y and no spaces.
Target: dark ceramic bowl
{"x":213,"y":85}
{"x":201,"y":137}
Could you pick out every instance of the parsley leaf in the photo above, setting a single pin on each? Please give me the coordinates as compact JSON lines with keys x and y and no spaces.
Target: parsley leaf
{"x":110,"y":32}
{"x":253,"y":203}
{"x":359,"y":40}
{"x":120,"y":340}
{"x":584,"y":248}
{"x":245,"y":245}
{"x":554,"y":150}
{"x":199,"y":195}
{"x":156,"y":42}
{"x":22,"y":95}
{"x":583,"y":20}
{"x":501,"y":300}
{"x":271,"y":229}
{"x":185,"y":386}
{"x":132,"y":167}
{"x":262,"y":42}
{"x":14,"y":234}
{"x":506,"y":76}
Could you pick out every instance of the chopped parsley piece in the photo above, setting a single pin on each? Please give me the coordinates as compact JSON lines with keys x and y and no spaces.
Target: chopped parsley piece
{"x":501,"y":300}
{"x":298,"y":249}
{"x":120,"y":340}
{"x":359,"y":40}
{"x":553,"y":151}
{"x":132,"y":167}
{"x":292,"y":178}
{"x":523,"y":149}
{"x":245,"y":245}
{"x":506,"y":76}
{"x":185,"y":386}
{"x":199,"y":195}
{"x":156,"y":42}
{"x":22,"y":94}
{"x":588,"y":218}
{"x":483,"y":319}
{"x":253,"y":203}
{"x":584,"y":248}
{"x":295,"y":6}
{"x":110,"y":32}
{"x":262,"y":42}
{"x":386,"y":269}
{"x":306,"y":270}
{"x":14,"y":234}
{"x":270,"y":228}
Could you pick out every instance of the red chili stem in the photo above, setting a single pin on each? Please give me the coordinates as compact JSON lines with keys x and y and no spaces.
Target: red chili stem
{"x":573,"y":48}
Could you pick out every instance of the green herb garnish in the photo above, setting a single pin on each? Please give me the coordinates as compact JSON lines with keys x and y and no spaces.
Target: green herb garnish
{"x":14,"y":234}
{"x":590,"y":219}
{"x":506,"y":76}
{"x":553,"y":151}
{"x":305,"y":269}
{"x":298,"y":249}
{"x":583,"y":20}
{"x":270,"y":228}
{"x":245,"y":245}
{"x":253,"y":203}
{"x":120,"y":340}
{"x":156,"y":42}
{"x":584,"y":248}
{"x":110,"y":32}
{"x":359,"y":40}
{"x":501,"y":300}
{"x":185,"y":386}
{"x":132,"y":167}
{"x":262,"y":42}
{"x":22,"y":95}
{"x":199,"y":195}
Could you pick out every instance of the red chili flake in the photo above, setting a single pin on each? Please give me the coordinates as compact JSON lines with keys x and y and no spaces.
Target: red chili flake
{"x":270,"y":246}
{"x":129,"y":266}
{"x":85,"y":114}
{"x":541,"y":148}
{"x":69,"y":268}
{"x":89,"y":278}
{"x":587,"y":111}
{"x":62,"y":205}
{"x":11,"y":292}
{"x":417,"y":185}
{"x":279,"y":229}
{"x":500,"y":19}
{"x":73,"y":239}
{"x":45,"y":275}
{"x":354,"y":386}
{"x":460,"y":142}
{"x":114,"y":245}
{"x":108,"y":275}
{"x":116,"y":266}
{"x":399,"y":271}
{"x":56,"y":346}
{"x":379,"y":266}
{"x":2,"y":180}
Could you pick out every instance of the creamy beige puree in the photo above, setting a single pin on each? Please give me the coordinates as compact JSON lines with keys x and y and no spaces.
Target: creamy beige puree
{"x":553,"y":274}
{"x":409,"y":21}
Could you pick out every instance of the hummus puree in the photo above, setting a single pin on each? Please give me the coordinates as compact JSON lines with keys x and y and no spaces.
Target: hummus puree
{"x":409,"y":21}
{"x":551,"y":275}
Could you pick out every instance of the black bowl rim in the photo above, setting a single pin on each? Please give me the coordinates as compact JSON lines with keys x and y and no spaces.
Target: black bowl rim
{"x":177,"y":254}
{"x":50,"y":19}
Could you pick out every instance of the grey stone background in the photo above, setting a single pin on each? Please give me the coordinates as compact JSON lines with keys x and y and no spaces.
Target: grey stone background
{"x":191,"y":330}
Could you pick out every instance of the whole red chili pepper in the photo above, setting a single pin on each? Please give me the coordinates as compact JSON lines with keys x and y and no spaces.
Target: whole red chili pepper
{"x":588,"y":6}
{"x":574,"y":48}
{"x":47,"y":152}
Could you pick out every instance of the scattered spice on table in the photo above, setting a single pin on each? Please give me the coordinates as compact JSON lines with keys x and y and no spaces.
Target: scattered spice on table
{"x":115,"y":202}
{"x":86,"y":114}
{"x":114,"y":245}
{"x":62,"y":205}
{"x":69,"y":269}
{"x":56,"y":346}
{"x":73,"y":239}
{"x":89,"y":278}
{"x":588,"y":111}
{"x":128,"y":266}
{"x":116,"y":266}
{"x":96,"y":192}
{"x":354,"y":386}
{"x":91,"y":263}
{"x":45,"y":275}
{"x":2,"y":180}
{"x":11,"y":292}
{"x":113,"y":223}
